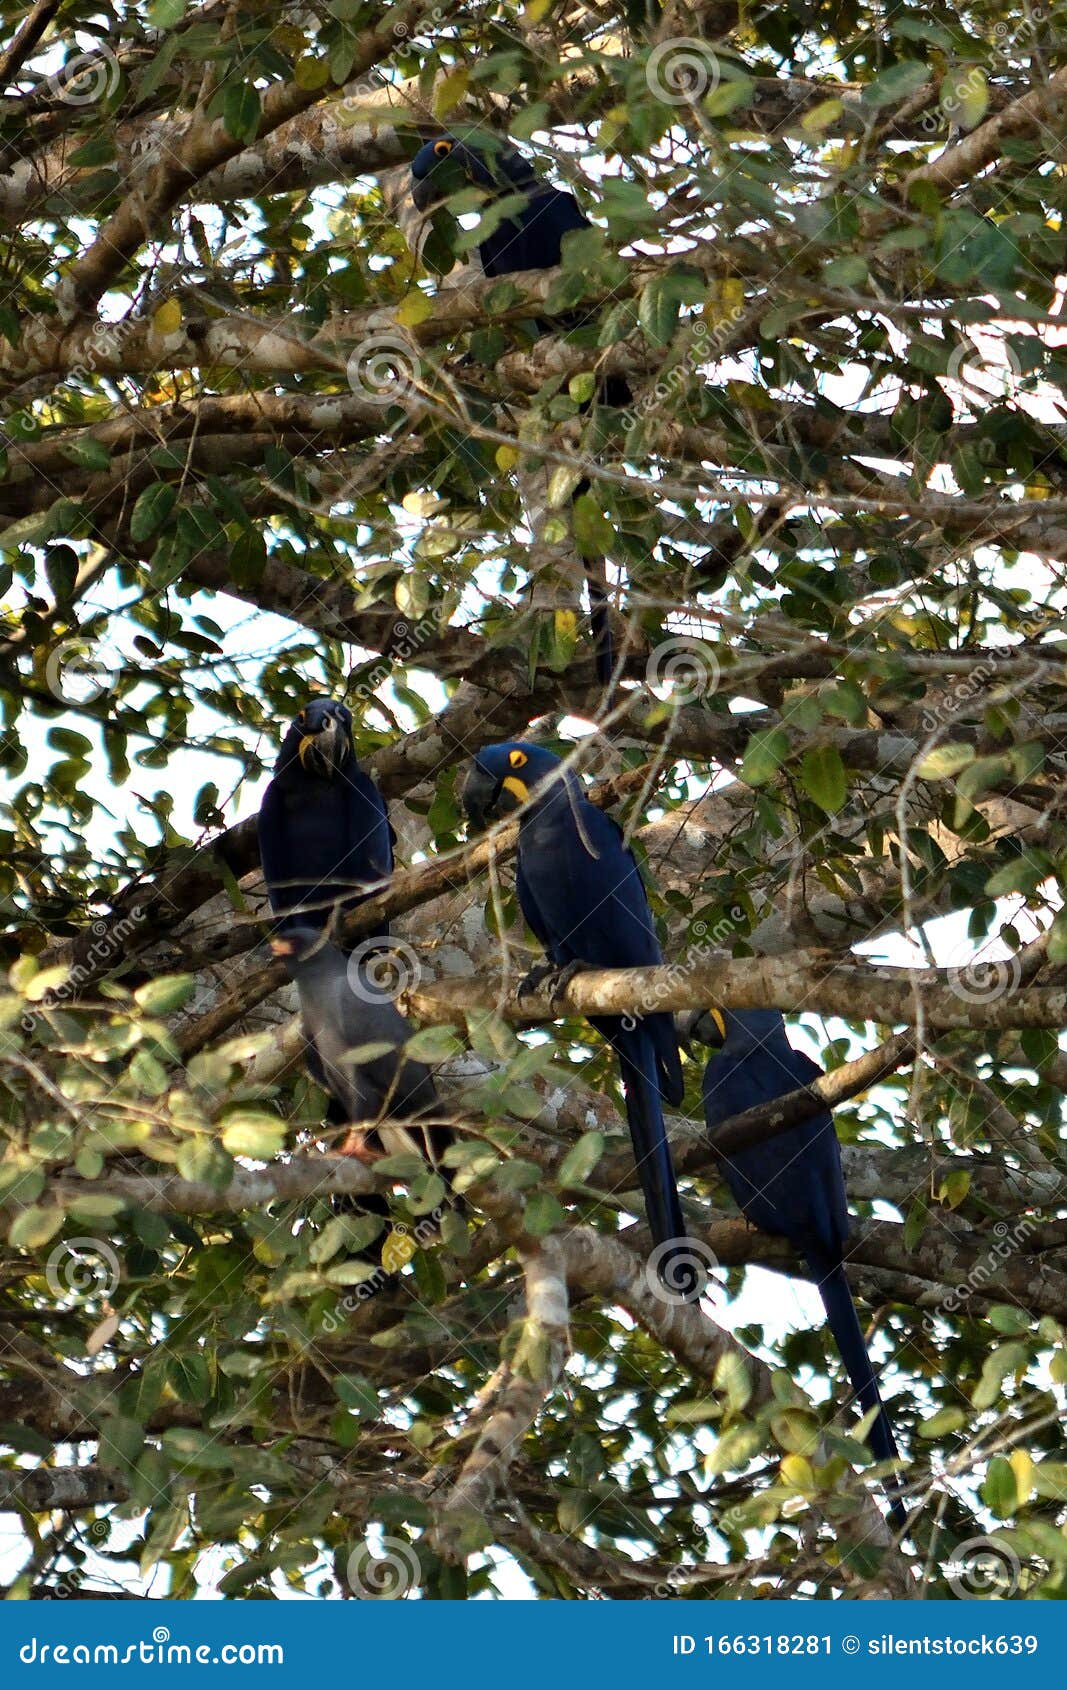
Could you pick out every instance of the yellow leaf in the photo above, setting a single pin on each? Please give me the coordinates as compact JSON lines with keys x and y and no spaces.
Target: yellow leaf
{"x":451,"y":90}
{"x":535,"y":10}
{"x":728,"y":302}
{"x":506,"y":457}
{"x":168,"y":318}
{"x":397,"y":1251}
{"x":821,"y":116}
{"x":796,"y":1471}
{"x":413,"y":309}
{"x":566,"y":625}
{"x":310,"y":72}
{"x":48,"y":980}
{"x":420,"y":504}
{"x":102,"y":1335}
{"x":1022,"y":1465}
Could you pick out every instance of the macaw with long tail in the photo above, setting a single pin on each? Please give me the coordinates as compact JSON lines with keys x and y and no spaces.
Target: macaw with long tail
{"x":581,"y":893}
{"x":791,"y":1185}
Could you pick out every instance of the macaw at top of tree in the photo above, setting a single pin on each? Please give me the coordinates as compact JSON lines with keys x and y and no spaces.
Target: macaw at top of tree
{"x":529,"y":237}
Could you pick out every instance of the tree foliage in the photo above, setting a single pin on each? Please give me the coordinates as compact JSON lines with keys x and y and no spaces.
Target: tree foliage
{"x":254,"y":446}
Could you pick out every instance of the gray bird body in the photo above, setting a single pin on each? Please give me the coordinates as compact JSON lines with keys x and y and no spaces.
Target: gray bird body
{"x":344,"y":1011}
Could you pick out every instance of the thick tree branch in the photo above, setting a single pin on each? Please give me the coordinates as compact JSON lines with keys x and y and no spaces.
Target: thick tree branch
{"x":1041,"y":108}
{"x":813,"y":981}
{"x":204,"y":145}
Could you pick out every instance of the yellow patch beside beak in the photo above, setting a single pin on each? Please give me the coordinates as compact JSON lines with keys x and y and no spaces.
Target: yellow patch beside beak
{"x":308,"y":740}
{"x":720,"y":1023}
{"x":518,"y":787}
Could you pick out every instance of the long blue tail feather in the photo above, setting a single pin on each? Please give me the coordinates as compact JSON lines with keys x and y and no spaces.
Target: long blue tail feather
{"x":845,"y":1325}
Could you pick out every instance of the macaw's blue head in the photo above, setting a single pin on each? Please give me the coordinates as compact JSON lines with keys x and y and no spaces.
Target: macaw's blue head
{"x":320,"y":738}
{"x":444,"y":166}
{"x":737,"y":1027}
{"x":503,"y":778}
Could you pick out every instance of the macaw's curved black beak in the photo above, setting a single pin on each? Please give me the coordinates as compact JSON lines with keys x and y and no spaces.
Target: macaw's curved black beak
{"x":700,"y":1026}
{"x":426,"y":193}
{"x":480,"y":797}
{"x":324,"y":747}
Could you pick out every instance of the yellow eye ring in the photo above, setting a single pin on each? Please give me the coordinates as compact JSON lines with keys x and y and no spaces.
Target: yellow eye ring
{"x":442,"y":148}
{"x":517,"y":759}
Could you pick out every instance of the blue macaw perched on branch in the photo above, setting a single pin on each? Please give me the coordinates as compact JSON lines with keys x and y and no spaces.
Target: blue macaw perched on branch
{"x":530,"y":237}
{"x":582,"y":895}
{"x":324,"y":837}
{"x":791,"y":1185}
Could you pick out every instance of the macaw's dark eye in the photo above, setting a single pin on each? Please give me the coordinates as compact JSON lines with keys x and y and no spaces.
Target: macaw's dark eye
{"x":301,"y":720}
{"x":442,"y":149}
{"x":517,"y":759}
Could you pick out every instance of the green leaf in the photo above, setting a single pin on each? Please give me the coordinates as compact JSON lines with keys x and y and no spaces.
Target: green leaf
{"x":896,"y":84}
{"x":250,"y":1133}
{"x":730,"y":96}
{"x":998,"y":1490}
{"x":581,"y":1159}
{"x":593,"y":533}
{"x":241,"y":111}
{"x":944,"y":761}
{"x":764,"y":755}
{"x":188,"y":1446}
{"x":153,"y":507}
{"x":165,"y":995}
{"x":940,"y":1425}
{"x":35,"y":1227}
{"x":657,"y":310}
{"x":166,"y":14}
{"x":542,"y":1214}
{"x":357,"y":1394}
{"x":823,"y":777}
{"x":1012,"y":1322}
{"x":964,"y":95}
{"x":189,"y":1377}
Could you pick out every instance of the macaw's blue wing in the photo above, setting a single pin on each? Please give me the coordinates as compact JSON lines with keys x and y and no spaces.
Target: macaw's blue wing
{"x":793,"y":1186}
{"x":532,"y":237}
{"x":582,"y":895}
{"x":324,"y":837}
